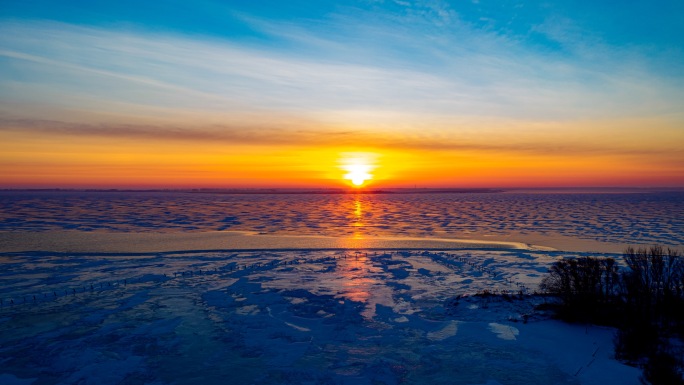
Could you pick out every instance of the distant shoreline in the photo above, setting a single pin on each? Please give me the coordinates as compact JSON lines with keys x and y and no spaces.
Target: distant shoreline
{"x":341,"y":191}
{"x":359,"y":191}
{"x":277,"y":191}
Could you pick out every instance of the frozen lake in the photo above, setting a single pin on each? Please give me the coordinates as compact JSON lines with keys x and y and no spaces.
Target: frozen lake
{"x":291,"y":317}
{"x":170,"y":288}
{"x":555,"y":220}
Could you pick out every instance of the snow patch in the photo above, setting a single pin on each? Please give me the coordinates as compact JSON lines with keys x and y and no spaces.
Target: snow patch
{"x":248,"y":310}
{"x":301,"y":329}
{"x":505,"y":332}
{"x":447,"y":331}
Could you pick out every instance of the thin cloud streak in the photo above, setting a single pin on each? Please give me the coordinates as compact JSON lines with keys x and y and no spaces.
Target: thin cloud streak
{"x":112,"y":74}
{"x":266,"y":136}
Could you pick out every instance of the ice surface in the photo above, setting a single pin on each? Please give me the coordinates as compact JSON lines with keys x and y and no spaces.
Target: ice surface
{"x":505,"y":332}
{"x":562,"y":221}
{"x":291,"y":317}
{"x":179,"y":288}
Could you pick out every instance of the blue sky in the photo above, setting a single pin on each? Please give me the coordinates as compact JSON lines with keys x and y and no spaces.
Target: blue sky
{"x":587,"y":51}
{"x":547,"y":76}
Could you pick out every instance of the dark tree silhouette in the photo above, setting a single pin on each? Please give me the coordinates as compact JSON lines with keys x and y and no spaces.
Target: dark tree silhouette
{"x":645,"y":301}
{"x":585,"y":285}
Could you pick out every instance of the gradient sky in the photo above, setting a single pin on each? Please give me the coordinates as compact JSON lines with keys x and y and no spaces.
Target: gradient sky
{"x":283,"y":93}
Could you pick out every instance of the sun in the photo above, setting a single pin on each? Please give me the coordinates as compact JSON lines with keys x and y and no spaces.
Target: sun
{"x":358,"y":174}
{"x":358,"y":167}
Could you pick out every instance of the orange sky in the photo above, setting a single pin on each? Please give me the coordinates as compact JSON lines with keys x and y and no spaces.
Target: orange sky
{"x":427,"y":94}
{"x":92,"y":161}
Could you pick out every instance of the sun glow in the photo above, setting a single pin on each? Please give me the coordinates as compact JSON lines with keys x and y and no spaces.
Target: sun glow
{"x":358,"y":167}
{"x":358,"y":173}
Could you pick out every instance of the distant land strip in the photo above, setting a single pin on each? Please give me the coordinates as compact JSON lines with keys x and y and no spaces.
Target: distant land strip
{"x":279,"y":191}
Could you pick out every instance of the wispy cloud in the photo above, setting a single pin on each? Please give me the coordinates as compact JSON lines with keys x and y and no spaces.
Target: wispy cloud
{"x":468,"y":72}
{"x":310,"y":136}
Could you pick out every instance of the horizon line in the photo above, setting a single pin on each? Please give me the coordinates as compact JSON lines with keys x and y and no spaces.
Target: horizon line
{"x":338,"y":190}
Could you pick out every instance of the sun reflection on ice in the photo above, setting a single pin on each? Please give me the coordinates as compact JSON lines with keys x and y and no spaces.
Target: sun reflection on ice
{"x":356,"y":285}
{"x":358,"y":218}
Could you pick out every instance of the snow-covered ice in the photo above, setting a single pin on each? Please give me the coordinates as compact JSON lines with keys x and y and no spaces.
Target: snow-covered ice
{"x":182,"y":288}
{"x":292,"y":317}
